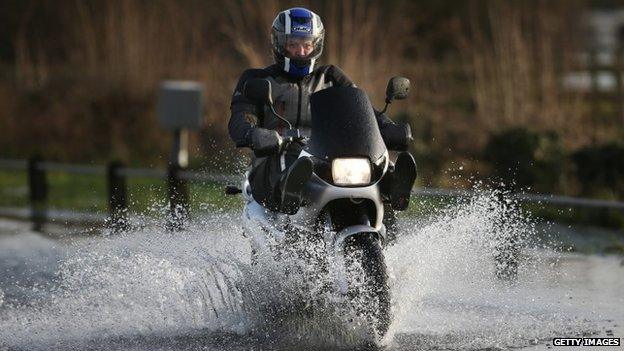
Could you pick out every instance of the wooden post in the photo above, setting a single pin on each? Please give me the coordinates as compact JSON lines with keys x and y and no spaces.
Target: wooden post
{"x":117,"y":203}
{"x":38,"y":192}
{"x":178,"y":198}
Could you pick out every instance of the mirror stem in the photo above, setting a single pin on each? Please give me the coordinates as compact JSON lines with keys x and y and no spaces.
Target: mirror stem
{"x":385,"y":107}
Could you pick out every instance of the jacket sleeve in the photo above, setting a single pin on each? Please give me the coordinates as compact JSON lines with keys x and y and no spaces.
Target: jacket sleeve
{"x":337,"y":77}
{"x":340,"y":79}
{"x":244,"y":114}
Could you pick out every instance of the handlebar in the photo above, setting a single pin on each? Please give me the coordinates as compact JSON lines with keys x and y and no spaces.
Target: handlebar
{"x":286,"y":141}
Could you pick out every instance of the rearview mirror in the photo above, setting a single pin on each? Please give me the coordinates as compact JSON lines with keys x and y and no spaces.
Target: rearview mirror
{"x":398,"y":89}
{"x":258,"y":90}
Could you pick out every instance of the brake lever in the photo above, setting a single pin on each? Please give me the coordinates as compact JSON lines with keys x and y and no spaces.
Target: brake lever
{"x":286,"y":141}
{"x":303,"y":141}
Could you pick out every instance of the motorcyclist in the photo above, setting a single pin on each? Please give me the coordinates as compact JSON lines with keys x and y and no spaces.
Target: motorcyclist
{"x":276,"y":179}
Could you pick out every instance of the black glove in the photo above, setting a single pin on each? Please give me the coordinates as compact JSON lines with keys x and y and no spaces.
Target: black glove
{"x":397,"y":136}
{"x":265,"y":142}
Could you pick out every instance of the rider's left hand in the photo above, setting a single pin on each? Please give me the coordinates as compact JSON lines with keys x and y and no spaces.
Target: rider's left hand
{"x":265,"y":142}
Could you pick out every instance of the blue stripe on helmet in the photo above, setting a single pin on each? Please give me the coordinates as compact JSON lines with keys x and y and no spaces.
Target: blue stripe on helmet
{"x":301,"y":21}
{"x":300,"y":12}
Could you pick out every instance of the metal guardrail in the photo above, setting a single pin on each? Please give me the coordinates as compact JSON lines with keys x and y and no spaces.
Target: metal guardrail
{"x":13,"y":164}
{"x":122,"y":172}
{"x":177,"y":179}
{"x":524,"y":197}
{"x":116,"y":175}
{"x":210,"y":177}
{"x":142,"y":172}
{"x":438,"y":192}
{"x":56,"y":215}
{"x":71,"y":168}
{"x":570,"y":201}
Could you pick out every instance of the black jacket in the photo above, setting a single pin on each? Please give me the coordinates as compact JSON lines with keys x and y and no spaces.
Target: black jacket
{"x":290,"y":97}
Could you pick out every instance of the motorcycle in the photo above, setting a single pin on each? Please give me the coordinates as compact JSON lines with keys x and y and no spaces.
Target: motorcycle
{"x":343,"y":202}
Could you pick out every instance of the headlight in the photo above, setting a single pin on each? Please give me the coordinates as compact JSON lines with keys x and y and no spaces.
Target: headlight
{"x":351,"y":171}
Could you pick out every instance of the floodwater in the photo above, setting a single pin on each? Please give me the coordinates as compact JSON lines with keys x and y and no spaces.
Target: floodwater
{"x":149,"y":289}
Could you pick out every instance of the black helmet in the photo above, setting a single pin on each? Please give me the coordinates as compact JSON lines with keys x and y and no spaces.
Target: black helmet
{"x":297,"y":24}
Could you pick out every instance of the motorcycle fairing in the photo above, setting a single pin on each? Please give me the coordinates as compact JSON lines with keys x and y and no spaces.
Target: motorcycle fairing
{"x":344,"y":125}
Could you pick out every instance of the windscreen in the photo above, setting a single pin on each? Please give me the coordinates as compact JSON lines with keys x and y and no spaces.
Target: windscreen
{"x":344,"y":125}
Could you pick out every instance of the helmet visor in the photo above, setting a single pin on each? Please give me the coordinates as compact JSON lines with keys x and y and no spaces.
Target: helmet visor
{"x":299,"y":46}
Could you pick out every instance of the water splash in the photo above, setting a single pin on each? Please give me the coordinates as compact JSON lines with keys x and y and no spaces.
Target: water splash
{"x":197,"y":289}
{"x":137,"y":283}
{"x":448,"y":294}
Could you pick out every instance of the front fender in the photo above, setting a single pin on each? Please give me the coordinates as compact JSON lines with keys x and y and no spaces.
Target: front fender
{"x":341,"y":236}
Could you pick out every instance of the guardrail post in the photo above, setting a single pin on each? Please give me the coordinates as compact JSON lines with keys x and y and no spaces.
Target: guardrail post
{"x":178,"y":198}
{"x":38,"y":191}
{"x":117,"y":203}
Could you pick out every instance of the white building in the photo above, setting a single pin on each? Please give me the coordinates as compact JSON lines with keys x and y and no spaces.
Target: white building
{"x":605,"y":38}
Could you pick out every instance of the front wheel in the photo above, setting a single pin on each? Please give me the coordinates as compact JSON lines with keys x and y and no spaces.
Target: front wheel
{"x":367,"y":278}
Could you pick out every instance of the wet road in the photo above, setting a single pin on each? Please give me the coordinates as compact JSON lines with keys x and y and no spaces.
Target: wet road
{"x":195,"y":290}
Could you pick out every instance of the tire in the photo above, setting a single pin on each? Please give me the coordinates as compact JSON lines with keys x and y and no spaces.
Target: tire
{"x":367,"y":278}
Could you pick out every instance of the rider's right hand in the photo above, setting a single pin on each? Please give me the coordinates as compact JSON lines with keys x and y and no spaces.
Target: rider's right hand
{"x":265,"y":142}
